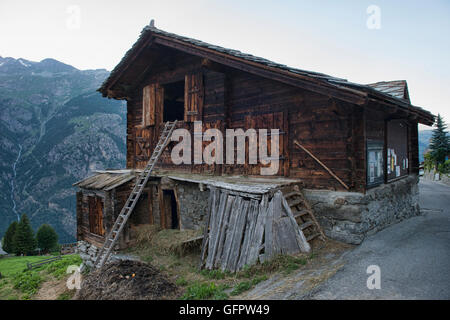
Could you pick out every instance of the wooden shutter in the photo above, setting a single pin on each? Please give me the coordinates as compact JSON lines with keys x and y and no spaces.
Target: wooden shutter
{"x":152,"y":104}
{"x":99,"y":216}
{"x":91,"y":214}
{"x":96,"y":215}
{"x":193,"y":97}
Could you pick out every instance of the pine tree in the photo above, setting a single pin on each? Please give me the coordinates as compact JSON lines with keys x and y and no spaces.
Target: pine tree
{"x":46,"y":237}
{"x":440,"y":142}
{"x":8,"y":239}
{"x":24,"y":241}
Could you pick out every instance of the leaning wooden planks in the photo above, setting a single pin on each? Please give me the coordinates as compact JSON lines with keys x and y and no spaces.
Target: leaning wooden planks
{"x":241,"y":231}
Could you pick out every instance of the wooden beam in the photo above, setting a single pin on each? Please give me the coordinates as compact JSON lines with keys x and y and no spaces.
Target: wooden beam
{"x":148,"y":43}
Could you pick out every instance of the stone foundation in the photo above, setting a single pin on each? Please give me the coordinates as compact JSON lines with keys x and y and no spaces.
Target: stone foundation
{"x":87,"y":252}
{"x":350,"y":216}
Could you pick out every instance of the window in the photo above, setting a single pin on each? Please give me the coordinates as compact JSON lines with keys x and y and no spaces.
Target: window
{"x":375,"y":164}
{"x":180,"y":100}
{"x":96,"y":215}
{"x":173,"y":101}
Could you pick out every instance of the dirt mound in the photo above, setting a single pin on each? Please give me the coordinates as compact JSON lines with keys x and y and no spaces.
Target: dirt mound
{"x":126,"y":280}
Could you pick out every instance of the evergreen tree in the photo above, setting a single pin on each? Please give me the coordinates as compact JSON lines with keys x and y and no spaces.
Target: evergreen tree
{"x":46,"y":237}
{"x":24,"y":241}
{"x":8,"y":239}
{"x":440,"y":142}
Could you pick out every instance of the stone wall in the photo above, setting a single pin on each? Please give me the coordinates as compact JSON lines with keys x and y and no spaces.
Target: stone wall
{"x":193,"y":205}
{"x":436,"y":176}
{"x":87,"y":252}
{"x":350,"y":216}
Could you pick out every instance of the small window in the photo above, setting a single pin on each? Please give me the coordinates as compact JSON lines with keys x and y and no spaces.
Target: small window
{"x":375,"y":163}
{"x":173,"y":101}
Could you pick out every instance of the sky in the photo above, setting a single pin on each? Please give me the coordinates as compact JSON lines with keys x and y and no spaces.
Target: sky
{"x":361,"y":41}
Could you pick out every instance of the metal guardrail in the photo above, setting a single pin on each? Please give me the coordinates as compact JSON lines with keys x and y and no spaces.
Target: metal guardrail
{"x":42,"y":262}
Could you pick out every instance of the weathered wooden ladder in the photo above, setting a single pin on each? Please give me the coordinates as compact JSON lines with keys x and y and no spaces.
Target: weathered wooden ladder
{"x":303,"y":214}
{"x":127,"y":209}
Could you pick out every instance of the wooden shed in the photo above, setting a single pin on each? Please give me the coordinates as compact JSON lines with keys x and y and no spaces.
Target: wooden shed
{"x":354,"y":138}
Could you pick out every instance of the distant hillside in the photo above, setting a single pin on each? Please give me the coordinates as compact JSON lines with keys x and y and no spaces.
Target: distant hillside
{"x":424,"y":142}
{"x":54,"y":130}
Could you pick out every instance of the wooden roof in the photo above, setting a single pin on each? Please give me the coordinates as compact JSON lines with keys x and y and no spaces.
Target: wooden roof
{"x":106,"y":180}
{"x":397,"y":88}
{"x":317,"y":82}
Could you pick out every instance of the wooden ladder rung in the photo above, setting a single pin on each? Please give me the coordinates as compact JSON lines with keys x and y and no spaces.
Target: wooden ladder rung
{"x":291,"y":194}
{"x":295,"y":202}
{"x":306,"y":225}
{"x":298,"y":214}
{"x":313,"y":236}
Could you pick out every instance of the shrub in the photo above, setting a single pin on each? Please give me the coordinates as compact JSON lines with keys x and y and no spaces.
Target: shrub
{"x":46,"y":237}
{"x":444,"y":167}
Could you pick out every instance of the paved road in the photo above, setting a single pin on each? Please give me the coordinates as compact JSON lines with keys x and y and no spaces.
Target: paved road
{"x":413,"y":256}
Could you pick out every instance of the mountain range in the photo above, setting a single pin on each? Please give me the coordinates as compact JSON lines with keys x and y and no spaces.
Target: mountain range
{"x":55,"y":129}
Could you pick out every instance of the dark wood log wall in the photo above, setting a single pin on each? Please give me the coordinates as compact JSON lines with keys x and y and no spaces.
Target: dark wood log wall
{"x":334,"y":131}
{"x":413,"y":148}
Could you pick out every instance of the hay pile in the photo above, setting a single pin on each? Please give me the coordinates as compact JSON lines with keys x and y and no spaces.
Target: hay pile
{"x":126,"y":280}
{"x":165,"y":241}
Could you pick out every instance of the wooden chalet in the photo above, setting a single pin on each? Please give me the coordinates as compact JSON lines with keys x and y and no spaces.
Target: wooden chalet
{"x":353,"y":137}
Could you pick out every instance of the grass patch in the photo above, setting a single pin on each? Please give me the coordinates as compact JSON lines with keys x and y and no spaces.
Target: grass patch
{"x":11,"y":265}
{"x":241,"y":287}
{"x":203,"y":291}
{"x":20,"y":283}
{"x":181,"y":282}
{"x":215,"y":274}
{"x":58,"y":269}
{"x":247,"y":285}
{"x":282,"y":263}
{"x":65,"y":295}
{"x":27,"y":282}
